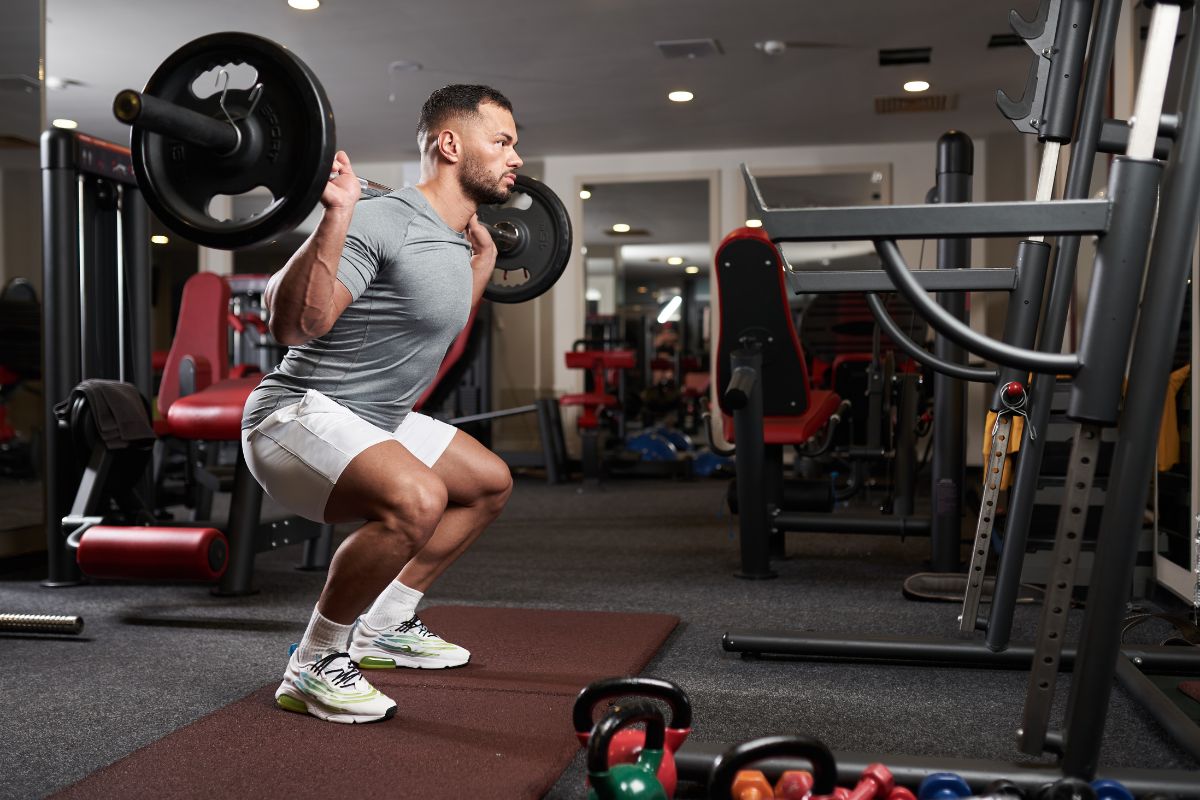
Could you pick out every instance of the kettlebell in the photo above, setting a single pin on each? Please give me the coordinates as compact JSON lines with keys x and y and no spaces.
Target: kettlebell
{"x":628,"y":743}
{"x":727,"y":765}
{"x":638,"y":781}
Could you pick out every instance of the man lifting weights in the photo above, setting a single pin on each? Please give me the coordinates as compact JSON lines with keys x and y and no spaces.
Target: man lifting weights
{"x":368,"y":306}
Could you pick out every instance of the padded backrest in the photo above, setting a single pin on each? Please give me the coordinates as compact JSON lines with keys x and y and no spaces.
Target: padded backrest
{"x":754,"y":302}
{"x":202,"y":330}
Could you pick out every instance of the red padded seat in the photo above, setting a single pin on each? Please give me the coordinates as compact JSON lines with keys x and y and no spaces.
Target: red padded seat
{"x":798,"y":429}
{"x":213,"y":413}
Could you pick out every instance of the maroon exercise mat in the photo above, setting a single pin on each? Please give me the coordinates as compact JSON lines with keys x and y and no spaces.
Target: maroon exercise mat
{"x":499,"y":727}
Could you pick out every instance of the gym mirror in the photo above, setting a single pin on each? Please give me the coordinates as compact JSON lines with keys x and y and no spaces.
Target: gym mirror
{"x":647,"y":261}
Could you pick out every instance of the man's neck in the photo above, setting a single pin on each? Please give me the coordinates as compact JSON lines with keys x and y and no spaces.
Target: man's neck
{"x":448,"y":200}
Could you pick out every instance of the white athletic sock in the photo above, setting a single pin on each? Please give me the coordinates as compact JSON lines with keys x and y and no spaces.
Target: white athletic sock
{"x":323,"y":636}
{"x":395,"y":605}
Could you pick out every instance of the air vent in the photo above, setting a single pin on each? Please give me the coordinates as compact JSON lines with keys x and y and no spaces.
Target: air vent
{"x":1005,"y":40}
{"x":904,"y":55}
{"x":689,"y":48}
{"x":916,"y":104}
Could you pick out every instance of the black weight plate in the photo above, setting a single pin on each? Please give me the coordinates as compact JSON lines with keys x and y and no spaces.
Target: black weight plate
{"x":287,"y":143}
{"x":537,"y":262}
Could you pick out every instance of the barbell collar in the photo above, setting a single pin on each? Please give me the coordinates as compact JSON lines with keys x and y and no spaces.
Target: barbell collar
{"x":506,"y":235}
{"x":161,"y":116}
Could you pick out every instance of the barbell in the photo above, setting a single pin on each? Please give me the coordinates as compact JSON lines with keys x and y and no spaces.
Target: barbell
{"x":195,"y":139}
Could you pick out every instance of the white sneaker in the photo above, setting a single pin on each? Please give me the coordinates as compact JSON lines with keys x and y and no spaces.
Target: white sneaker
{"x":332,"y":688}
{"x":409,"y":644}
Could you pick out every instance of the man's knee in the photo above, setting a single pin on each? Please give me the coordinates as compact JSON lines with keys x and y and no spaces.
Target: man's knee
{"x":496,"y":484}
{"x":415,"y":507}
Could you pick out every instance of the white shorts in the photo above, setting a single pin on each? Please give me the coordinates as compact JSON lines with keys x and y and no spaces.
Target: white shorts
{"x":298,"y":453}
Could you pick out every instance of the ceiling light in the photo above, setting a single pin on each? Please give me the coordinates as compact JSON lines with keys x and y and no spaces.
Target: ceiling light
{"x":585,"y":194}
{"x":642,"y":290}
{"x":675,"y":261}
{"x":305,"y":5}
{"x":669,"y":309}
{"x":754,"y":223}
{"x":593,"y":294}
{"x":916,"y":86}
{"x":158,"y":238}
{"x":692,"y":269}
{"x":66,"y":124}
{"x":680,"y":97}
{"x":620,"y":227}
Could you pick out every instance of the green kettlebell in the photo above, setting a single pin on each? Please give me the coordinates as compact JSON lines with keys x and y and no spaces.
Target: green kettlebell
{"x":637,"y":781}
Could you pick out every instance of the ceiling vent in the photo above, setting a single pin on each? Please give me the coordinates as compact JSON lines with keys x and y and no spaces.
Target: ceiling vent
{"x":915,"y":104}
{"x":689,"y":48}
{"x":1005,"y":40}
{"x":904,"y":55}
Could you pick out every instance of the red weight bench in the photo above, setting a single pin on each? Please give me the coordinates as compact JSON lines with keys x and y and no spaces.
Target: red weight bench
{"x":200,"y":401}
{"x":754,"y":313}
{"x":603,"y":365}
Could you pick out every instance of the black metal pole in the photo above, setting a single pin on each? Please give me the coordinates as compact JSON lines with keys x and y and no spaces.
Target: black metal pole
{"x":1054,"y":326}
{"x":60,"y":339}
{"x":754,"y":535}
{"x":135,"y":218}
{"x":1133,"y":461}
{"x":245,"y":510}
{"x":845,"y":523}
{"x":955,"y":165}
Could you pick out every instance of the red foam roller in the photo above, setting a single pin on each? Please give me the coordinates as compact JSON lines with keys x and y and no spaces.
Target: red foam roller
{"x":137,"y":553}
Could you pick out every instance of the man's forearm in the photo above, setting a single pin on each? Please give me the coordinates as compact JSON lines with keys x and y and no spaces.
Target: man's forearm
{"x":301,"y":303}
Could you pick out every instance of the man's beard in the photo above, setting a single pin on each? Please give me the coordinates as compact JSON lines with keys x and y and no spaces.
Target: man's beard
{"x":480,"y":186}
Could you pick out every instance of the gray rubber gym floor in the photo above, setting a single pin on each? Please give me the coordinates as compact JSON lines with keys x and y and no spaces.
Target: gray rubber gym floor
{"x":154,"y":658}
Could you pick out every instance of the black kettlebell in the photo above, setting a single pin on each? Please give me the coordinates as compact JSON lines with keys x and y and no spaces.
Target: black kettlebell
{"x":725,"y":768}
{"x":628,"y":743}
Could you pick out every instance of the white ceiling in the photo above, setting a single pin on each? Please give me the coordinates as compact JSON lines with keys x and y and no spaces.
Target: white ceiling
{"x":585,"y":75}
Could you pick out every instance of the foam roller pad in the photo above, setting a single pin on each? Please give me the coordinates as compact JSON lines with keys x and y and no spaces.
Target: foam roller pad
{"x":144,"y":553}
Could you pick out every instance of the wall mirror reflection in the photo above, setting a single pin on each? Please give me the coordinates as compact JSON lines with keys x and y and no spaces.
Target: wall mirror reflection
{"x":647,"y":255}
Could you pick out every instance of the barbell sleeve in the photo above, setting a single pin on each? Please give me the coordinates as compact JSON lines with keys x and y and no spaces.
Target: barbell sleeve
{"x":160,"y":116}
{"x":505,"y":235}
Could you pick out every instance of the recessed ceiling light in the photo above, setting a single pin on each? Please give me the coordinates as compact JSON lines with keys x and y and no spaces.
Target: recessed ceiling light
{"x":584,"y":194}
{"x":305,"y":5}
{"x":67,"y":124}
{"x":680,"y":97}
{"x":754,"y":223}
{"x":692,"y":270}
{"x":620,"y":227}
{"x":158,"y":238}
{"x":675,"y":260}
{"x":916,"y":86}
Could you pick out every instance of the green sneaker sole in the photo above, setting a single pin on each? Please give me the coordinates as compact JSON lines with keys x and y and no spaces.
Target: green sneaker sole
{"x":288,"y":703}
{"x":371,"y":662}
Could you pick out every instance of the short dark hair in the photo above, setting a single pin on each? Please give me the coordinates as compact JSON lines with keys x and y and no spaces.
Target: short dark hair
{"x":454,"y":100}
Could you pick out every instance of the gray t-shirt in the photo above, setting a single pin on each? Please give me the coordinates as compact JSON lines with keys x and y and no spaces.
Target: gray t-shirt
{"x":410,"y":276}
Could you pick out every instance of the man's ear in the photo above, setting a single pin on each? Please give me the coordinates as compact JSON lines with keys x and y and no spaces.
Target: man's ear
{"x":450,"y":145}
